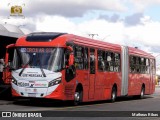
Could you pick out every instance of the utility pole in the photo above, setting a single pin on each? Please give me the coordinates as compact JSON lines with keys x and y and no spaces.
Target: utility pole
{"x":92,"y":35}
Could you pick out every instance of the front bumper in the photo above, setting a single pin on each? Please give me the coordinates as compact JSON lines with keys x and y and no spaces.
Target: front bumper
{"x":54,"y":92}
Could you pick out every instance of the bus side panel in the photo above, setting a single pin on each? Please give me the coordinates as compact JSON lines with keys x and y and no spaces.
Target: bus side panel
{"x":132,"y":84}
{"x":153,"y":82}
{"x":117,"y":77}
{"x":99,"y":85}
{"x":147,"y":82}
{"x":138,"y":83}
{"x":69,"y":87}
{"x":82,"y":77}
{"x":112,"y":78}
{"x":107,"y":85}
{"x":85,"y":85}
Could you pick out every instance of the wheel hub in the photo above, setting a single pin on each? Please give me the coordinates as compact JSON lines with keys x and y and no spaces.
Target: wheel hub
{"x":113,"y":95}
{"x":76,"y":96}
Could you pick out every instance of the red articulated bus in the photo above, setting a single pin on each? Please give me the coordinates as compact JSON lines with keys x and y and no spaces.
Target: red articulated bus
{"x":63,"y":66}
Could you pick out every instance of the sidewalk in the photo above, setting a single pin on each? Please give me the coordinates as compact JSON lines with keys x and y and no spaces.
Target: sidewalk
{"x":6,"y":102}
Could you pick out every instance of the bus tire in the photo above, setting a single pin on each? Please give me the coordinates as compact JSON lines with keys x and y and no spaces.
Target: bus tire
{"x":78,"y":97}
{"x":142,"y":93}
{"x":113,"y":94}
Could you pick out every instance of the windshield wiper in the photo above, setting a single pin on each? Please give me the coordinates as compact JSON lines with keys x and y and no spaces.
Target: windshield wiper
{"x":43,"y":73}
{"x":25,"y":66}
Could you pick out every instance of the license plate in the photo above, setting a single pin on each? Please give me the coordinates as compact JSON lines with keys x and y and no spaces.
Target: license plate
{"x":31,"y":94}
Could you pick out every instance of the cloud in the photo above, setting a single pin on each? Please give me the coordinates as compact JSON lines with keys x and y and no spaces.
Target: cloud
{"x":141,"y":5}
{"x":113,"y":18}
{"x":147,"y":34}
{"x":131,"y":20}
{"x":67,"y":8}
{"x":155,"y":48}
{"x":134,"y":19}
{"x":72,"y":8}
{"x":145,"y":37}
{"x":55,"y":23}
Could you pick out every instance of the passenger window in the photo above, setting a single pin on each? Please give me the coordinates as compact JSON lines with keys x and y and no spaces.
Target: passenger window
{"x":147,"y":66}
{"x":132,"y":64}
{"x":143,"y":65}
{"x":117,"y":62}
{"x":92,"y":61}
{"x":110,"y":61}
{"x":86,"y":58}
{"x":138,"y":67}
{"x":79,"y":55}
{"x":101,"y":60}
{"x":113,"y":61}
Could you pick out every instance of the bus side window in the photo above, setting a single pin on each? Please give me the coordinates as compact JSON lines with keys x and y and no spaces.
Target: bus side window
{"x":112,"y":61}
{"x":117,"y":62}
{"x":138,"y":67}
{"x":142,"y":65}
{"x":147,"y":66}
{"x":132,"y":64}
{"x":92,"y":61}
{"x":79,"y":55}
{"x":66,"y":57}
{"x":108,"y":60}
{"x":101,"y":60}
{"x":85,"y":59}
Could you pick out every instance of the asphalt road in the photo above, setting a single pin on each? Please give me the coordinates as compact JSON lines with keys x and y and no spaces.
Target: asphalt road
{"x":150,"y":103}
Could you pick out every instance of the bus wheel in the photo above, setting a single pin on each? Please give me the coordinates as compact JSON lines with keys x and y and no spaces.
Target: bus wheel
{"x":142,"y":93}
{"x":113,"y":94}
{"x":78,"y":97}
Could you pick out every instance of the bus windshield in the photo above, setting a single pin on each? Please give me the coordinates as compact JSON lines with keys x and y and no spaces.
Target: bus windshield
{"x":45,"y":58}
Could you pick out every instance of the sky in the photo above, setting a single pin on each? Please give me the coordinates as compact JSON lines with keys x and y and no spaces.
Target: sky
{"x":134,"y":23}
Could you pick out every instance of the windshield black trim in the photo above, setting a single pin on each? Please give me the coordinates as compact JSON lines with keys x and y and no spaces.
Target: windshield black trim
{"x":43,"y":36}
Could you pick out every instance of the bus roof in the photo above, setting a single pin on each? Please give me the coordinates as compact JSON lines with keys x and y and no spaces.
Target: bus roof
{"x":50,"y":39}
{"x":138,"y":52}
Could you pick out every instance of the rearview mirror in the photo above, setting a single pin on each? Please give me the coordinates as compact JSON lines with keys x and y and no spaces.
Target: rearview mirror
{"x":71,"y":59}
{"x":71,"y":56}
{"x":70,"y":48}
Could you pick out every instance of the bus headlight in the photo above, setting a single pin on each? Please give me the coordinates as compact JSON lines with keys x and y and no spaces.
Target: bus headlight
{"x":54,"y":82}
{"x":14,"y":81}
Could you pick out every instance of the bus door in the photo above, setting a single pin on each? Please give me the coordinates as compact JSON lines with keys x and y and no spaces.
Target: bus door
{"x":92,"y":73}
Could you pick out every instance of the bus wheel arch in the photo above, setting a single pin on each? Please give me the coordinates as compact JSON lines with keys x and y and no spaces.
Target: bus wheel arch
{"x":78,"y":95}
{"x":114,"y":93}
